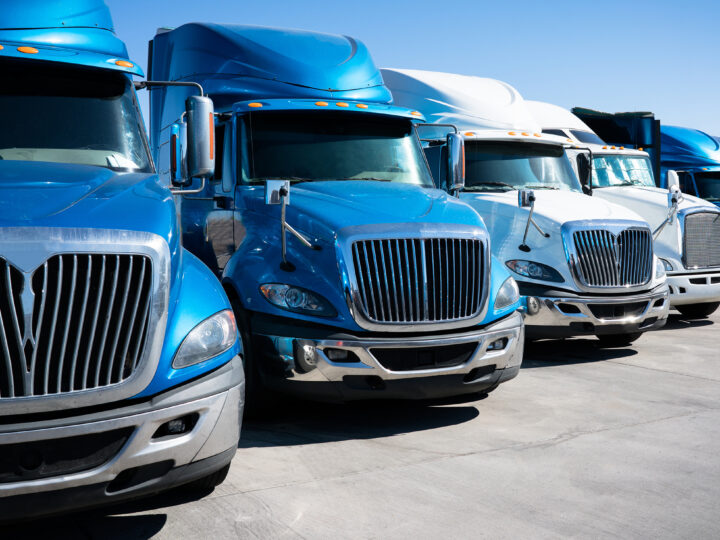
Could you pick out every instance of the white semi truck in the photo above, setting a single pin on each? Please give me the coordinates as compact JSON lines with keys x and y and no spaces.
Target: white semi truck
{"x":585,"y":266}
{"x":681,"y":223}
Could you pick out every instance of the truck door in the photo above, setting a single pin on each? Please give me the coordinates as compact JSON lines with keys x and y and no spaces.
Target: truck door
{"x":219,"y":224}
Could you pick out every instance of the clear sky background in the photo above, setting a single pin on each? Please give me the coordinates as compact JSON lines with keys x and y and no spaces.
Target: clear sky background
{"x":661,"y":56}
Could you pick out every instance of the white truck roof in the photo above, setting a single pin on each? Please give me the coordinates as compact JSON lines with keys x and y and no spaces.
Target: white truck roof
{"x":466,"y":101}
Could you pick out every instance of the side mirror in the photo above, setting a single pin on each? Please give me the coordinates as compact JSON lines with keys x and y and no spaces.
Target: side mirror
{"x":455,"y":162}
{"x":275,"y":190}
{"x":526,"y":198}
{"x":201,"y":136}
{"x":584,"y":166}
{"x":178,"y":138}
{"x":673,"y":181}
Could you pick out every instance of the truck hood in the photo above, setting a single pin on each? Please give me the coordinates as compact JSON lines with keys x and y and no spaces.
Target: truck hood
{"x":322,"y":208}
{"x":40,"y":194}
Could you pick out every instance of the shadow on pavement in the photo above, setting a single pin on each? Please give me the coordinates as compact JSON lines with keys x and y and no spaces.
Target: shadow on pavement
{"x":88,"y":526}
{"x":305,"y":422}
{"x":677,"y":321}
{"x":554,"y":352}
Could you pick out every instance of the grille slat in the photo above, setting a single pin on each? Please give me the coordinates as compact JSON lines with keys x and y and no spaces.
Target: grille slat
{"x":59,"y":337}
{"x":702,"y":240}
{"x":608,"y":260}
{"x":407,"y":280}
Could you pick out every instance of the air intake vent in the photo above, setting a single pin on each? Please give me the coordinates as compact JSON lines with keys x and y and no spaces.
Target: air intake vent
{"x":606,"y":259}
{"x":702,"y":240}
{"x":420,"y":280}
{"x":78,"y":322}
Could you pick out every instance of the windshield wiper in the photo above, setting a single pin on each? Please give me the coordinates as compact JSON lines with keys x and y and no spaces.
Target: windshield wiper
{"x":541,"y":186}
{"x":363,"y":178}
{"x":480,"y":186}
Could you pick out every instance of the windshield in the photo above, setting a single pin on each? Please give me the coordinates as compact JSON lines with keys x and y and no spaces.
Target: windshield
{"x":619,"y":170}
{"x":708,"y":184}
{"x":320,"y":145}
{"x":66,"y":114}
{"x":587,"y":137}
{"x":500,"y":166}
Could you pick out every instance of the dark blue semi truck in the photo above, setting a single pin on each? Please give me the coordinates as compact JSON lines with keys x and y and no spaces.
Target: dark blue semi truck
{"x":351,"y":276}
{"x":120,"y":365}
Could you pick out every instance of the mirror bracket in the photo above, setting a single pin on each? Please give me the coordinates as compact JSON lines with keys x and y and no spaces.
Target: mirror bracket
{"x":526,"y":199}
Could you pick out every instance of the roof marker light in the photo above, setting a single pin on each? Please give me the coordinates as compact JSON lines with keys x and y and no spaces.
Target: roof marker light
{"x":569,"y":140}
{"x":255,"y":105}
{"x":342,"y":104}
{"x":604,"y":147}
{"x":416,"y":113}
{"x":124,"y":63}
{"x":641,"y":148}
{"x":525,"y":134}
{"x":537,"y":134}
{"x":27,"y":50}
{"x":1,"y":47}
{"x":622,"y":148}
{"x":321,"y":103}
{"x":361,"y":106}
{"x":469,"y":133}
{"x":511,"y":133}
{"x":612,"y":148}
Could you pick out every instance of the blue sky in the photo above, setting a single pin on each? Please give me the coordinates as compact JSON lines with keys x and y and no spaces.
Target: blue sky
{"x":662,"y":56}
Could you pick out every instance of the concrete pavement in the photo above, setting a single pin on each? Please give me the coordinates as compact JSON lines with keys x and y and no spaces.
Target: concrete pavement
{"x":585,"y":442}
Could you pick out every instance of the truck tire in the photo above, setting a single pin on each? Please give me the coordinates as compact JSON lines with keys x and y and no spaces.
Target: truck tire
{"x":698,"y":311}
{"x":618,"y":340}
{"x":259,"y":400}
{"x":209,"y":482}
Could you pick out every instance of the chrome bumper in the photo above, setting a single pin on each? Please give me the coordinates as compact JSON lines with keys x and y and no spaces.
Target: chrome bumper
{"x":366,"y":377}
{"x":694,"y":288}
{"x":573,"y":315}
{"x":217,"y":430}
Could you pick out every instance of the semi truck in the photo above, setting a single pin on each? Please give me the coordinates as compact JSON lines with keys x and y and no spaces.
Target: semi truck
{"x":120,"y":362}
{"x":351,"y":276}
{"x":693,"y":154}
{"x":686,"y":229}
{"x":585,"y":266}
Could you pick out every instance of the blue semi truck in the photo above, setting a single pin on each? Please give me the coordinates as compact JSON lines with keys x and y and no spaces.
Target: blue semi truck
{"x":351,"y":276}
{"x":692,"y":153}
{"x":120,"y":363}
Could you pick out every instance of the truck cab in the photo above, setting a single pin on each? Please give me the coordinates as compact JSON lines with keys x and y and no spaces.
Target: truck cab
{"x":351,"y":276}
{"x":120,"y":364}
{"x":585,"y":266}
{"x":685,"y":228}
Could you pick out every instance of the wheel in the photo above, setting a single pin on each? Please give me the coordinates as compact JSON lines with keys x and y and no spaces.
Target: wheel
{"x":259,"y":399}
{"x":209,"y":482}
{"x":618,"y":340}
{"x":698,"y":311}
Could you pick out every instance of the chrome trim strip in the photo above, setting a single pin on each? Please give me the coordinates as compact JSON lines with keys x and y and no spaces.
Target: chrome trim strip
{"x":27,"y":248}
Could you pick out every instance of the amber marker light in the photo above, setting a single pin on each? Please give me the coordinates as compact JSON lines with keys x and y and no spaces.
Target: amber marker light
{"x":27,"y":50}
{"x":321,"y":103}
{"x":525,"y":134}
{"x":124,"y":63}
{"x":255,"y":105}
{"x":1,"y":47}
{"x":469,"y":133}
{"x":342,"y":104}
{"x":511,"y":133}
{"x":537,"y":134}
{"x":361,"y":106}
{"x":416,"y":113}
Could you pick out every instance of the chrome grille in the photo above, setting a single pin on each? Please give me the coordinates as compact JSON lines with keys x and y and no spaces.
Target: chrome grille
{"x":702,"y":240}
{"x":77,"y":322}
{"x":416,"y":280}
{"x":605,"y":259}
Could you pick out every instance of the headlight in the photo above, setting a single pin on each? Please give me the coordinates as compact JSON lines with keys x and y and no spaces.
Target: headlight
{"x":660,"y":269}
{"x":213,"y":336}
{"x":297,"y":299}
{"x":508,"y":294}
{"x":668,"y":266}
{"x":535,"y":270}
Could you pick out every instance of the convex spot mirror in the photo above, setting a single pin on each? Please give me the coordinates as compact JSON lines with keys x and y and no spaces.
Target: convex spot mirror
{"x":274,"y":191}
{"x":456,"y":162}
{"x":201,"y":136}
{"x":673,"y":185}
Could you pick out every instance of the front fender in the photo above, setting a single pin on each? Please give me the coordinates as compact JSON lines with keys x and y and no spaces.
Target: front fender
{"x":199,"y":296}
